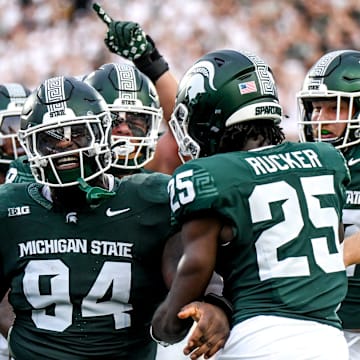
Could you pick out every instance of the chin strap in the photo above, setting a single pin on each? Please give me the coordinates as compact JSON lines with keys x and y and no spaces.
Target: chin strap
{"x":94,"y":195}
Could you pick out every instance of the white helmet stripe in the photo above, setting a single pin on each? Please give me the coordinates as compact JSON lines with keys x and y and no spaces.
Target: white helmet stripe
{"x":262,"y":110}
{"x":127,"y":81}
{"x":55,"y":95}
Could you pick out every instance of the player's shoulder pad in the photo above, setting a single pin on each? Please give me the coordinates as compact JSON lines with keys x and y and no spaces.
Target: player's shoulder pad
{"x":21,"y":163}
{"x":10,"y":193}
{"x":331,"y":151}
{"x":195,"y":164}
{"x":150,"y":186}
{"x":322,"y":146}
{"x":11,"y":189}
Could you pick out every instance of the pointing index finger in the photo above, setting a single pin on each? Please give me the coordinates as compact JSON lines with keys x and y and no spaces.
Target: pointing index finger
{"x":102,"y":13}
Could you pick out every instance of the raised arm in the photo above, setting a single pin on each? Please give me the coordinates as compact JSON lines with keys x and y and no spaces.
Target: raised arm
{"x":128,"y":40}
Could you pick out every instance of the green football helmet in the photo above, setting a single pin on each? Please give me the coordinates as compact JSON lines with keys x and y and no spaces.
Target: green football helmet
{"x":335,"y":76}
{"x":12,"y":98}
{"x":65,"y":131}
{"x":222,"y":88}
{"x":131,"y":98}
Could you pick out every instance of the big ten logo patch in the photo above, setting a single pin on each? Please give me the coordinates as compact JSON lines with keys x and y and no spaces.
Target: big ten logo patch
{"x":19,"y":211}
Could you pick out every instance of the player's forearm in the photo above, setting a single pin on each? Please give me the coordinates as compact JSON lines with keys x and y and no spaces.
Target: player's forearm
{"x":352,"y":249}
{"x":7,"y":316}
{"x":166,"y":87}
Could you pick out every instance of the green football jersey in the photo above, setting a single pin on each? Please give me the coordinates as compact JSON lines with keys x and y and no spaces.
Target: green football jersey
{"x":351,"y":218}
{"x":284,"y":203}
{"x":84,"y":285}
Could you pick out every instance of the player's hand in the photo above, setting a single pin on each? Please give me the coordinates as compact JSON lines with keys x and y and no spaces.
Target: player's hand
{"x":127,"y":39}
{"x":211,"y":331}
{"x":124,"y":38}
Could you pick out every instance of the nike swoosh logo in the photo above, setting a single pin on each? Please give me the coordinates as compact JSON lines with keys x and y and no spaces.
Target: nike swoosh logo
{"x":110,"y":212}
{"x":353,"y":161}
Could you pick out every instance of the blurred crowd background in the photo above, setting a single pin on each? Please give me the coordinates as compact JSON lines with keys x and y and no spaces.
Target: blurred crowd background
{"x":42,"y":38}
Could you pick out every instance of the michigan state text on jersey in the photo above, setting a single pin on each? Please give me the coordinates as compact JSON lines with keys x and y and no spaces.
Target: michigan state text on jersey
{"x":90,"y":277}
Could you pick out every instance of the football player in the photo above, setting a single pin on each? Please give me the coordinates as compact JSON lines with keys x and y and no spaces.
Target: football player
{"x":329,"y":111}
{"x":128,"y":40}
{"x":120,"y":82}
{"x":83,"y":250}
{"x":12,"y":98}
{"x":264,"y":213}
{"x":136,"y":116}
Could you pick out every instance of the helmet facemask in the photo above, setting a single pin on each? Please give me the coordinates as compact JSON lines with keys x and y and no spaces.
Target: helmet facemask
{"x":135,"y":150}
{"x":335,"y":77}
{"x":315,"y":130}
{"x":65,"y":131}
{"x":59,"y":167}
{"x":12,"y":98}
{"x":221,"y":89}
{"x":188,"y":147}
{"x":9,"y":127}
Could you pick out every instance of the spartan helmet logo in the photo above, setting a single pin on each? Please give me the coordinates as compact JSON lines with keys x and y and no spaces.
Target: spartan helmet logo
{"x":194,"y":79}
